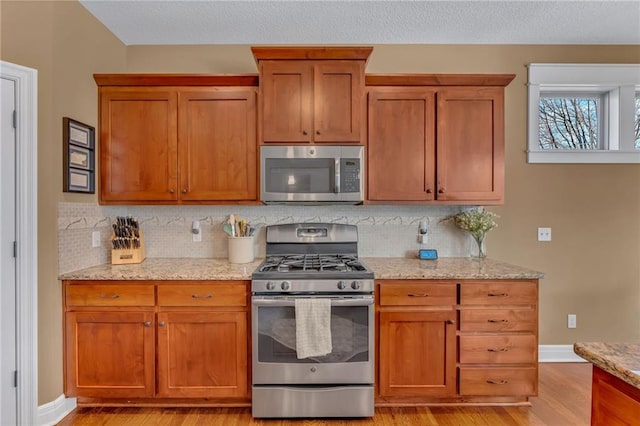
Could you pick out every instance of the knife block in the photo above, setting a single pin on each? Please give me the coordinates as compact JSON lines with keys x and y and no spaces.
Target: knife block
{"x":126,"y":256}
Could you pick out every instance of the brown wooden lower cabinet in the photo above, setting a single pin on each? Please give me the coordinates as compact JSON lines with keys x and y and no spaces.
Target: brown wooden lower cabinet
{"x":110,"y":354}
{"x":613,"y":401}
{"x":202,"y":354}
{"x":190,"y":344}
{"x":471,"y":341}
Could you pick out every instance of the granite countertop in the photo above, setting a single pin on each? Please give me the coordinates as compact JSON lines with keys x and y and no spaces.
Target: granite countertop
{"x":168,"y":269}
{"x":620,"y":359}
{"x":222,"y":269}
{"x":446,"y":268}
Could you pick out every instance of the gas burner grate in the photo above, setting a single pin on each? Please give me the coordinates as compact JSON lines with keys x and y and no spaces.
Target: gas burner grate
{"x":312,"y":263}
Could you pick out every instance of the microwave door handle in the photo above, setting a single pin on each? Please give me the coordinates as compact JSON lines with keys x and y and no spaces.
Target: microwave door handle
{"x":336,"y":185}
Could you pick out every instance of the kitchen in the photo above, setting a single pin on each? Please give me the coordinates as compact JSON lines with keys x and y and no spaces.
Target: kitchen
{"x":599,"y":239}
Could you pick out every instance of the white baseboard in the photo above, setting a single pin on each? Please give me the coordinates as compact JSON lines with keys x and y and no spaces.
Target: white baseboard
{"x":557,"y":353}
{"x":52,"y":412}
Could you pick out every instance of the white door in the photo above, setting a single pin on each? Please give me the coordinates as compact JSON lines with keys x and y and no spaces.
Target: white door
{"x":8,"y":366}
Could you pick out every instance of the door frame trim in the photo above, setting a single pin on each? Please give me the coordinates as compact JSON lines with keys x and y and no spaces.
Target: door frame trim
{"x":26,"y":80}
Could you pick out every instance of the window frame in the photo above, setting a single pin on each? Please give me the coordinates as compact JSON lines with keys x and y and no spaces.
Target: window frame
{"x":616,"y":83}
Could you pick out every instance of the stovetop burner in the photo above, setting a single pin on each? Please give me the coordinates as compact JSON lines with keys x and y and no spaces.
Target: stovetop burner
{"x":312,"y":263}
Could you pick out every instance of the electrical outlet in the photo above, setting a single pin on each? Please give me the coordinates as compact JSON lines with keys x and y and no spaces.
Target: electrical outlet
{"x":544,"y":234}
{"x":571,"y":321}
{"x":95,"y":239}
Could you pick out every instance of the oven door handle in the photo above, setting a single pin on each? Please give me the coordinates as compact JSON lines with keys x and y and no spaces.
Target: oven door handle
{"x":291,"y":302}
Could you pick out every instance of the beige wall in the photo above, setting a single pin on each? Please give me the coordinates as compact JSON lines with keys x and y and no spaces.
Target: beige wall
{"x":592,"y":265}
{"x":66,"y":45}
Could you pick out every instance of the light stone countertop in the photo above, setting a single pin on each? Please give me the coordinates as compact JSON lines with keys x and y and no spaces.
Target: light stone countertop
{"x":446,"y":268}
{"x":620,"y":359}
{"x":168,"y":269}
{"x":222,"y":269}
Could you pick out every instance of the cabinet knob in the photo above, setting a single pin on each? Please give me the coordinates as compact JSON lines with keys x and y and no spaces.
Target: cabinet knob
{"x":317,"y":132}
{"x":451,"y":321}
{"x":429,"y":191}
{"x":171,"y":191}
{"x":147,"y":323}
{"x":441,"y":191}
{"x":184,"y":191}
{"x":304,"y":132}
{"x":161,"y":323}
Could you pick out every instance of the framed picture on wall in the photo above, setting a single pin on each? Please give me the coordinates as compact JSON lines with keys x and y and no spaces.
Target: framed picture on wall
{"x":78,"y":156}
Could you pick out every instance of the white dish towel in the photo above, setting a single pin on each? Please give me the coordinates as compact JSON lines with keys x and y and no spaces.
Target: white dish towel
{"x":313,"y":327}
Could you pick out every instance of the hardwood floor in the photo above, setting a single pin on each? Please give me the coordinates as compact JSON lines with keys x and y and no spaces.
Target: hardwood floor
{"x":564,"y":400}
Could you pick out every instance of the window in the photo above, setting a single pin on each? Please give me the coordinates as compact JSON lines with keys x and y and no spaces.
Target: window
{"x":584,"y":113}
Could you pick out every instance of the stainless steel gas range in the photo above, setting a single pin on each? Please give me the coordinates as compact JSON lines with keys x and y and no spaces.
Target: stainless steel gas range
{"x":312,"y":263}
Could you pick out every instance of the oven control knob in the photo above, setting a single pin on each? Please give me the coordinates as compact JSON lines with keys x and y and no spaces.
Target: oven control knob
{"x":342,"y":285}
{"x":286,"y":285}
{"x":271,"y":285}
{"x":355,"y":285}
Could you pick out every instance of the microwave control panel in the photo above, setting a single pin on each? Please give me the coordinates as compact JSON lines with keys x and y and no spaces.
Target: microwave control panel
{"x":349,"y":175}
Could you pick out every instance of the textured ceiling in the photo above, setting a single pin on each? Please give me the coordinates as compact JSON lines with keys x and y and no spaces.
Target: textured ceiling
{"x":149,"y":22}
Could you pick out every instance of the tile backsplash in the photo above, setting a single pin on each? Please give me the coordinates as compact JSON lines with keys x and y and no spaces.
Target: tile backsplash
{"x":383,"y":231}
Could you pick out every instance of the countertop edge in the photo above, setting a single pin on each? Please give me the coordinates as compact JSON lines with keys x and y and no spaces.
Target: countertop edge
{"x":609,"y":365}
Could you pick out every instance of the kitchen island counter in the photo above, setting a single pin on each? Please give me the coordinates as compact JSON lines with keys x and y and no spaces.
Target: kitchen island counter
{"x":615,"y":385}
{"x":619,"y":359}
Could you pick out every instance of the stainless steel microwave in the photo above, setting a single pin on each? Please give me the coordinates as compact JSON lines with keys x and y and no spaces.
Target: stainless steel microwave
{"x":312,"y":174}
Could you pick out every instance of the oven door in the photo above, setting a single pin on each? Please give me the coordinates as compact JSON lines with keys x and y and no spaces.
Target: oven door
{"x":275,"y":359}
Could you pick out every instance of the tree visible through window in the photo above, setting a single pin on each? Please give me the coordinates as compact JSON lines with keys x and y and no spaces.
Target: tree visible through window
{"x":570,"y":122}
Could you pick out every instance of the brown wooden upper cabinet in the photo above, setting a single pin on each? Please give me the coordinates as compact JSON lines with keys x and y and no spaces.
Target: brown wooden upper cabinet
{"x":311,"y":94}
{"x":436,"y":138}
{"x":173,"y":140}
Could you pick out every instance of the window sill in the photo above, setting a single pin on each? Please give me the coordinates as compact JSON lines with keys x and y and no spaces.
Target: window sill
{"x":586,"y":157}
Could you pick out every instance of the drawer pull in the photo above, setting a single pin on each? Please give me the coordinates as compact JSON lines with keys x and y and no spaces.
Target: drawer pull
{"x":108,"y":296}
{"x":147,"y":323}
{"x":498,"y":350}
{"x":500,"y":320}
{"x":201,"y":296}
{"x":418,"y":294}
{"x":497,"y":382}
{"x":498,"y":294}
{"x":161,"y":323}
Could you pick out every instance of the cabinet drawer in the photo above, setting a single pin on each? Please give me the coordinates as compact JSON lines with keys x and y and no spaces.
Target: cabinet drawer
{"x":498,"y":320}
{"x":109,"y":295}
{"x":215,"y":294}
{"x":498,"y":381}
{"x":507,"y":349}
{"x":499,"y":293}
{"x":403,"y":293}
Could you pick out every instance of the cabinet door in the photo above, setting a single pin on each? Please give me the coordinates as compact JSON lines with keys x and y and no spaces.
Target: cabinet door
{"x":217,"y":144}
{"x":138,"y":144}
{"x":470,"y":141}
{"x":338,"y":101}
{"x":417,"y":353}
{"x":109,"y":354}
{"x":287,"y":101}
{"x":401,"y":150}
{"x":202,"y":354}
